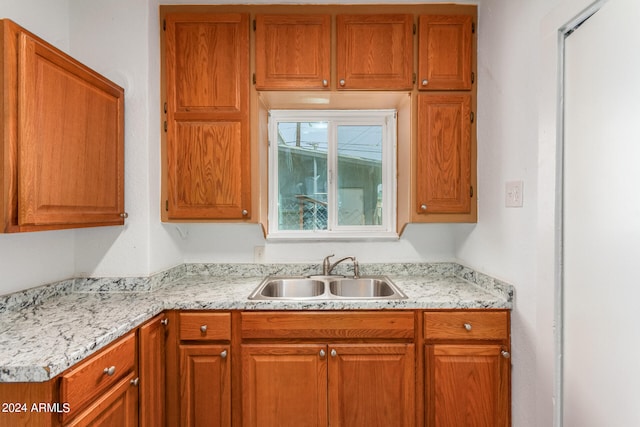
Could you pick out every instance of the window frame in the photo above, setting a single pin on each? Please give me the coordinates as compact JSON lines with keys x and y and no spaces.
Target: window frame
{"x":387,"y":119}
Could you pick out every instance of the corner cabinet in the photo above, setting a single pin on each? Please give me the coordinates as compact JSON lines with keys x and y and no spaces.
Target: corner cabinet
{"x":206,"y":157}
{"x":62,"y":149}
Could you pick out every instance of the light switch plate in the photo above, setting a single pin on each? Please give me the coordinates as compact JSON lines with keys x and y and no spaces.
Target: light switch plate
{"x":513,"y":194}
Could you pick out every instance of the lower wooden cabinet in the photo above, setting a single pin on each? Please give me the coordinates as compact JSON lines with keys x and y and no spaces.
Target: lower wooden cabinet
{"x":199,"y":369}
{"x":404,"y":368}
{"x":315,"y":369}
{"x":467,"y":369}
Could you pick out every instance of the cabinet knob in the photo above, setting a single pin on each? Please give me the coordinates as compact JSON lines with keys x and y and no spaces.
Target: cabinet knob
{"x":425,"y":82}
{"x":203,"y":329}
{"x":124,"y":215}
{"x":245,"y":212}
{"x":423,"y":207}
{"x":467,"y":326}
{"x":505,"y":354}
{"x":342,"y":82}
{"x":322,"y":353}
{"x":110,"y":370}
{"x":223,"y":354}
{"x":325,"y":83}
{"x":334,"y":353}
{"x":135,"y":382}
{"x":165,"y":322}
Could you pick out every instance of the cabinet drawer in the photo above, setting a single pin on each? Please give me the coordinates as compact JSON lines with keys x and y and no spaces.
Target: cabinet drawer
{"x":90,"y":378}
{"x":467,"y":325}
{"x":196,"y":326}
{"x":329,"y":324}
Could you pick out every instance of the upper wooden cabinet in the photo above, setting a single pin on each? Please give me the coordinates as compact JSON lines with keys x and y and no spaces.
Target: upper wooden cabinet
{"x":443,"y":160}
{"x":293,"y":52}
{"x":207,"y":171}
{"x":374,"y":51}
{"x":62,"y":156}
{"x":445,"y":52}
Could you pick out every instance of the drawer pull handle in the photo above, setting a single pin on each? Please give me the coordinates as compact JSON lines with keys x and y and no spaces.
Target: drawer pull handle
{"x":135,"y":382}
{"x":165,"y":322}
{"x":322,"y":353}
{"x":334,"y":353}
{"x":110,"y":371}
{"x":467,"y":326}
{"x":505,"y":354}
{"x":223,"y":354}
{"x":203,"y":329}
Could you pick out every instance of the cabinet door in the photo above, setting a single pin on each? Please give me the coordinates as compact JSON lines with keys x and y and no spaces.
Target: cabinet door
{"x":207,"y":89}
{"x":374,"y":51}
{"x":467,"y":385}
{"x":444,"y":58}
{"x":372,"y":385}
{"x":152,"y":372}
{"x":70,"y":141}
{"x":443,"y":163}
{"x":284,"y":385}
{"x":118,"y":406}
{"x":293,"y":52}
{"x":205,"y":385}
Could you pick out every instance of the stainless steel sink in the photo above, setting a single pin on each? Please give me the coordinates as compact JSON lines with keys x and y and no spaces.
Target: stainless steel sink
{"x":326,"y":287}
{"x":364,"y":287}
{"x":292,"y":288}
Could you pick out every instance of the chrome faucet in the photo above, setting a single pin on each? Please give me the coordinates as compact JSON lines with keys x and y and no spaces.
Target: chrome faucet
{"x":327,"y":266}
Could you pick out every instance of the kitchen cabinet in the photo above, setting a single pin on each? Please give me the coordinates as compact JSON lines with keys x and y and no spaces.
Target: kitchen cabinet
{"x":152,"y":367}
{"x":204,"y":369}
{"x":352,"y":368}
{"x":467,"y":368}
{"x":293,"y":52}
{"x":62,"y":127}
{"x":103,"y":389}
{"x":207,"y":155}
{"x":445,"y":52}
{"x":444,"y":155}
{"x":374,"y":51}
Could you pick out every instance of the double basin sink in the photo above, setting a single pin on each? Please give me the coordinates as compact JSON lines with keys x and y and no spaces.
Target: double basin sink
{"x":326,"y":287}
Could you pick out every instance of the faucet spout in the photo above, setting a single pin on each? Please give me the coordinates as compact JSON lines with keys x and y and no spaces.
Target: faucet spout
{"x":327,"y":266}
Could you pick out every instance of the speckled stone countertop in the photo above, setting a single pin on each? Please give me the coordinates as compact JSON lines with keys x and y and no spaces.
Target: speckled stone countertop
{"x":45,"y":330}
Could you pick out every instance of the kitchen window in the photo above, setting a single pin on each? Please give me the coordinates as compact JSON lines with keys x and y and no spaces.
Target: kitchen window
{"x":332,"y":174}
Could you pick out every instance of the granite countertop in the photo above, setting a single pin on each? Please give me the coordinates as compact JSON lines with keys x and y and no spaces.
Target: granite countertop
{"x":46,"y":330}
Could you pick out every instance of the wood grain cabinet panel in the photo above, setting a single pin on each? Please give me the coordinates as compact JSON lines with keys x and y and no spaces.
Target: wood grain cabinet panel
{"x":207,"y":116}
{"x":284,"y":385}
{"x":467,"y":385}
{"x":374,"y":51}
{"x":116,"y":407}
{"x":445,"y":52}
{"x":63,"y":139}
{"x":443,"y":155}
{"x":205,"y":385}
{"x":152,"y":367}
{"x":372,"y":385}
{"x":293,"y":52}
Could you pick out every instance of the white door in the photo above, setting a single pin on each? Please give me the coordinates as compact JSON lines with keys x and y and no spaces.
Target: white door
{"x":601,"y":220}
